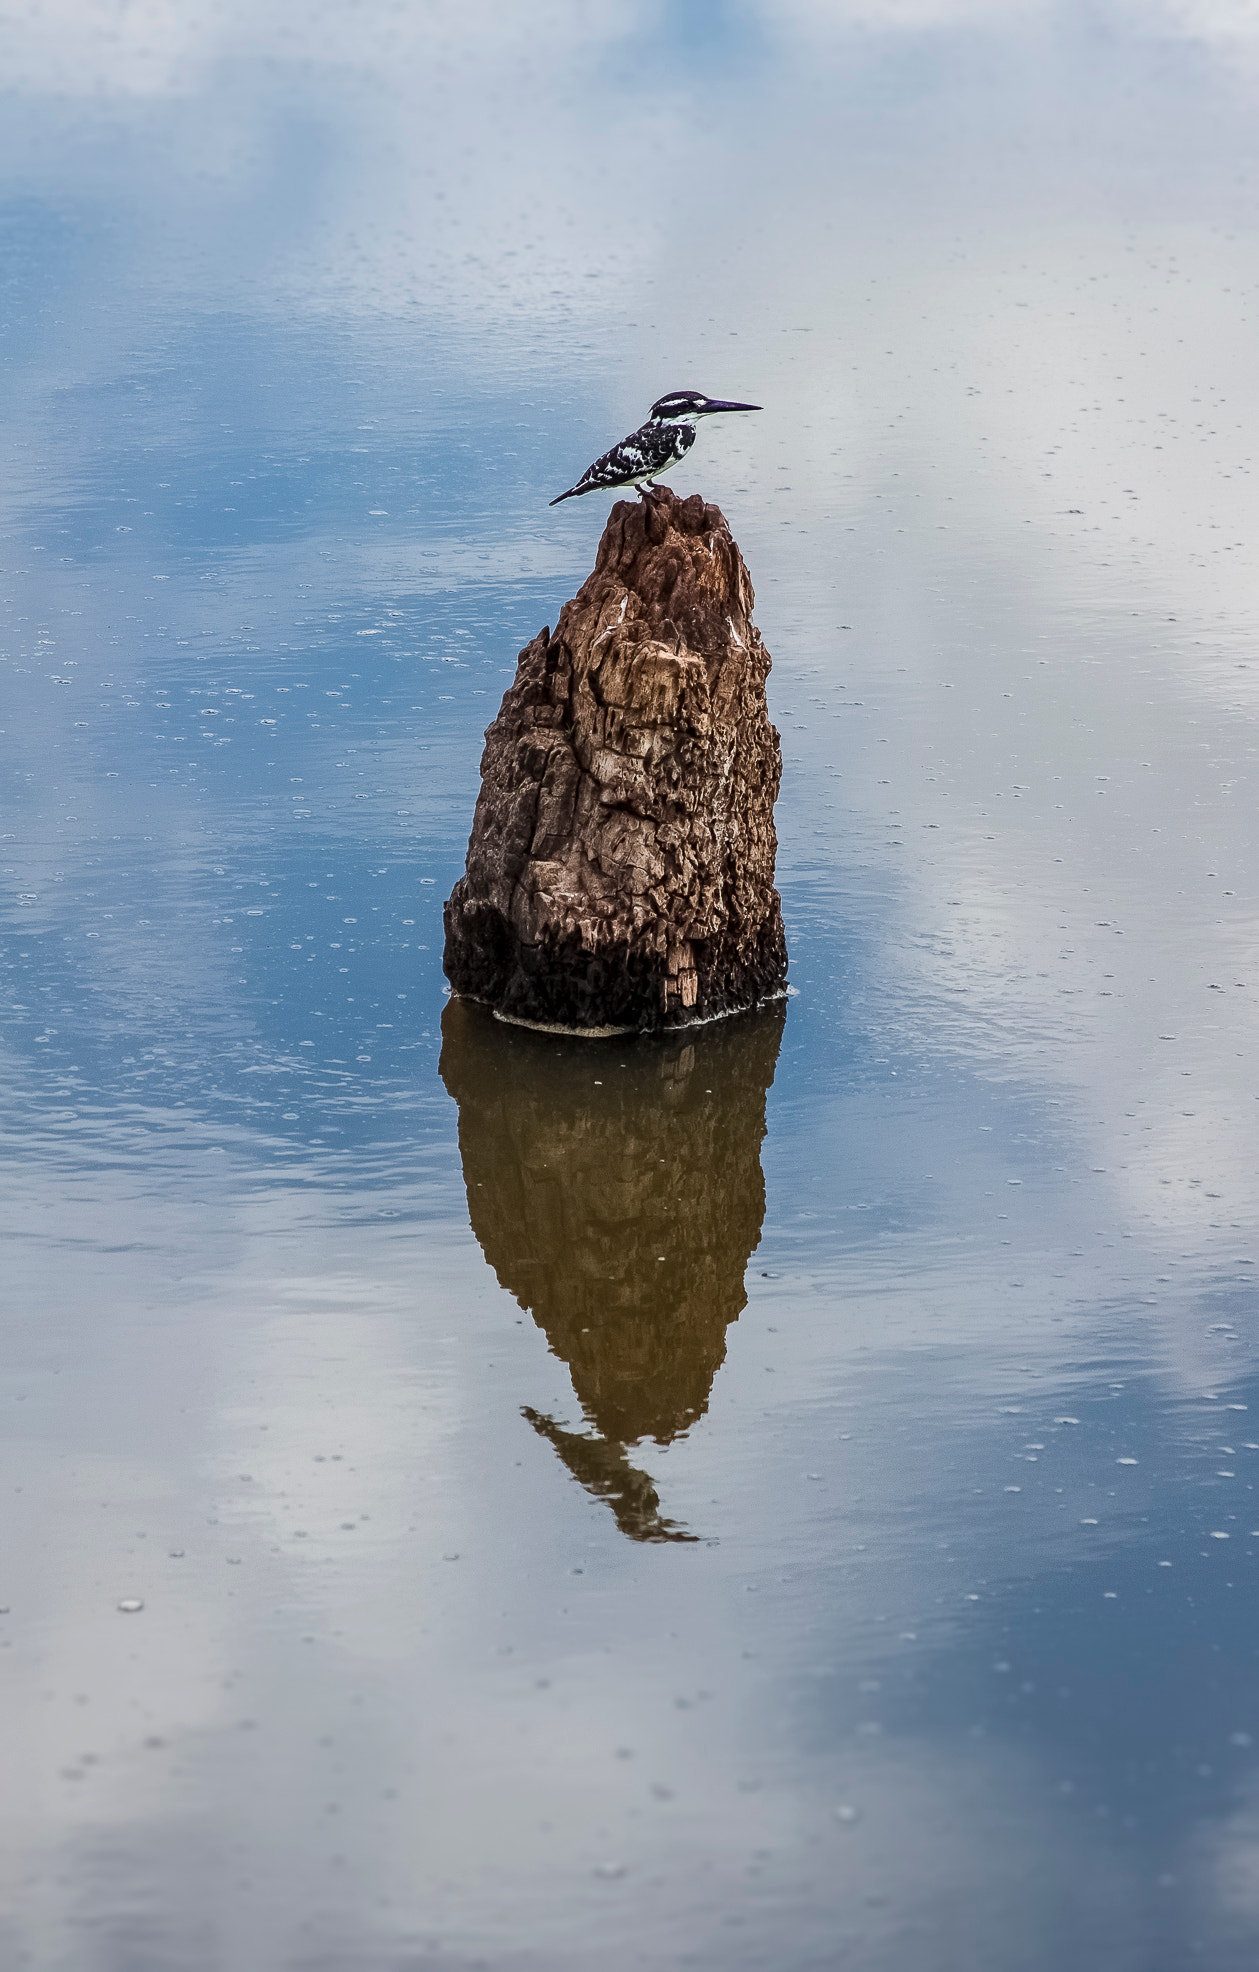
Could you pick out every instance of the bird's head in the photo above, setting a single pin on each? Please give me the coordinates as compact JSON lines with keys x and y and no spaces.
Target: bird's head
{"x":681,"y":406}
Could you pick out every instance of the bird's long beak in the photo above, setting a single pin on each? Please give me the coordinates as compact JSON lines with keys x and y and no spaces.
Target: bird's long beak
{"x":716,"y":404}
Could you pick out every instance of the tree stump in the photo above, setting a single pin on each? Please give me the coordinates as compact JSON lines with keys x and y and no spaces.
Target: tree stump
{"x":620,"y":872}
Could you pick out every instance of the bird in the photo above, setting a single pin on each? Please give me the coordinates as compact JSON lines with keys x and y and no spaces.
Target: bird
{"x":667,"y":436}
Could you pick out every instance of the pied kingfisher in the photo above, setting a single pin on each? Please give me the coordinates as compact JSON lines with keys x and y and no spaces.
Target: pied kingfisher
{"x":667,"y":436}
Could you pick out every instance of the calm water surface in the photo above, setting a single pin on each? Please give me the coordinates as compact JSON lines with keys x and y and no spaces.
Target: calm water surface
{"x":780,"y":1496}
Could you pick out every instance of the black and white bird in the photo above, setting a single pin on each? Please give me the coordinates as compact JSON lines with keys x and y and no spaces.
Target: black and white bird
{"x":667,"y":436}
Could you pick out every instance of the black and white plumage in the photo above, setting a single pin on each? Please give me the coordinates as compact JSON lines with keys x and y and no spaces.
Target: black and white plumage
{"x":667,"y":436}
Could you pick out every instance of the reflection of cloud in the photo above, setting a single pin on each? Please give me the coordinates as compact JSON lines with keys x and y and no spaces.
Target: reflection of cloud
{"x":165,"y":47}
{"x":380,"y":157}
{"x":155,"y":47}
{"x":1048,"y":505}
{"x":1220,"y":1869}
{"x":1206,"y":20}
{"x":454,"y":161}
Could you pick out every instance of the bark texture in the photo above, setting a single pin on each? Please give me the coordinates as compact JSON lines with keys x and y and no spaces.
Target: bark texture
{"x":620,"y":871}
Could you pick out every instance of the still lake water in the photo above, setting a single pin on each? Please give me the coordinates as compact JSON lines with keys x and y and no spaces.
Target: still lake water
{"x":780,"y":1496}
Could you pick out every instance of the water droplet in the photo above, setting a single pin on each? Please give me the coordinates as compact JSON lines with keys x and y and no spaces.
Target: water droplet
{"x":130,"y":1605}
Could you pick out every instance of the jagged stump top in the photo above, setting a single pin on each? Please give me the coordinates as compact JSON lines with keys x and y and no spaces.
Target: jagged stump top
{"x":620,"y":871}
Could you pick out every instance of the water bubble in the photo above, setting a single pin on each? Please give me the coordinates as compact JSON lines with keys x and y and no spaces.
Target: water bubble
{"x":131,"y":1605}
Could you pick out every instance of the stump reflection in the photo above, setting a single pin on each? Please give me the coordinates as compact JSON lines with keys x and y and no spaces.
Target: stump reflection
{"x":615,"y":1187}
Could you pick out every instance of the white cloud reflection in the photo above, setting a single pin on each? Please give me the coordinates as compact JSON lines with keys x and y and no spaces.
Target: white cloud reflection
{"x":511,"y":164}
{"x":155,"y":47}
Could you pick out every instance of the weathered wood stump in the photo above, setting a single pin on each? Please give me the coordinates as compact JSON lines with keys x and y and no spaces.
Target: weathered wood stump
{"x":620,"y":871}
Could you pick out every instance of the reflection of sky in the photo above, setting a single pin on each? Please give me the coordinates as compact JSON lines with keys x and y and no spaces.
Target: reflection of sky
{"x":307,"y":313}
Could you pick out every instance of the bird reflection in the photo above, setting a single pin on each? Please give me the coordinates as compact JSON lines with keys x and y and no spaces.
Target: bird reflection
{"x":615,"y":1187}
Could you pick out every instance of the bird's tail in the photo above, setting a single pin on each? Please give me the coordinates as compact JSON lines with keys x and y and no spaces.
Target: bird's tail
{"x":562,"y":496}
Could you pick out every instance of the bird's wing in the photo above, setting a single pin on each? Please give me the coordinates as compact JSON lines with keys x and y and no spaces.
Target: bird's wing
{"x":634,"y":458}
